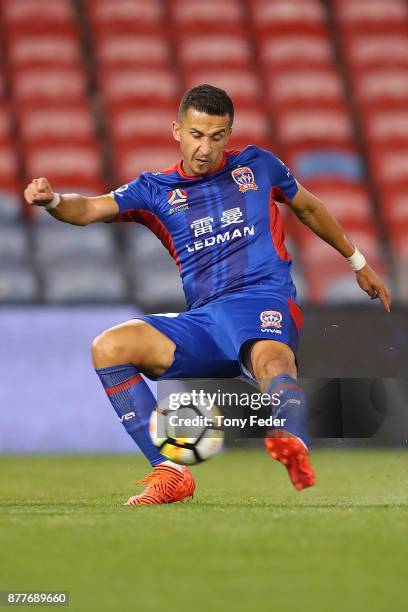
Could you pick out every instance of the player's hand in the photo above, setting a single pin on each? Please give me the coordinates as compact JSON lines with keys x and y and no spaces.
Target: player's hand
{"x":39,"y":192}
{"x":372,"y":284}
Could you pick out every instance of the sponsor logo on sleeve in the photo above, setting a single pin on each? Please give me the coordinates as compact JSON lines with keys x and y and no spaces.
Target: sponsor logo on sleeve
{"x":177,"y":200}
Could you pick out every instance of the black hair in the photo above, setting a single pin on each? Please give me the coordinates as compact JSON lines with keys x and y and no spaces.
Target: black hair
{"x":207,"y":99}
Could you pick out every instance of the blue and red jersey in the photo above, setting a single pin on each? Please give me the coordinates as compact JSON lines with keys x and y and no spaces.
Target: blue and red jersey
{"x":223,"y":229}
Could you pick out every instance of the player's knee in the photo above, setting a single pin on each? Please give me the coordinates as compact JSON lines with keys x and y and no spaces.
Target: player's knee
{"x":268,"y":364}
{"x":107,"y":351}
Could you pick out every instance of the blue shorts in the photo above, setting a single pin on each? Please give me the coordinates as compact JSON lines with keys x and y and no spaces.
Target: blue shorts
{"x":209,"y":339}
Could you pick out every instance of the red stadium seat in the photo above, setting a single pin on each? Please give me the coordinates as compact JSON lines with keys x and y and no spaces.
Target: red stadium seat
{"x":53,"y":124}
{"x":288,"y":15}
{"x":45,"y":49}
{"x":29,"y":15}
{"x":79,"y":164}
{"x":140,"y":87}
{"x":147,"y":125}
{"x":243,"y":85}
{"x":318,"y":126}
{"x":207,"y":14}
{"x":377,"y":50}
{"x":297,"y":50}
{"x":63,"y":85}
{"x":375,"y":15}
{"x":8,"y":165}
{"x":298,"y":88}
{"x":251,"y":126}
{"x":349,"y":203}
{"x":381,"y":86}
{"x":388,"y":127}
{"x":125,"y":15}
{"x":127,"y":49}
{"x":226,"y":49}
{"x":389,"y":166}
{"x":394,"y":207}
{"x":131,"y":161}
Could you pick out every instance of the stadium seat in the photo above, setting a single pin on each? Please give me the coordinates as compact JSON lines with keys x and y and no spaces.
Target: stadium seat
{"x":45,"y":49}
{"x":18,"y":284}
{"x":277,"y":16}
{"x":243,"y":85}
{"x":58,"y":85}
{"x":8,"y":165}
{"x":206,"y":14}
{"x":298,"y":88}
{"x":14,"y":247}
{"x":156,"y":281}
{"x":325,"y":164}
{"x":317,"y":126}
{"x":296,"y":50}
{"x":52,"y":124}
{"x":389,"y":165}
{"x":374,"y":15}
{"x":76,"y":164}
{"x":131,"y":161}
{"x":147,"y":125}
{"x":10,"y":204}
{"x":141,"y":87}
{"x":60,"y":242}
{"x":399,"y":248}
{"x":385,"y":126}
{"x":349,"y":203}
{"x":381,"y":86}
{"x":29,"y":15}
{"x":125,"y":15}
{"x":251,"y":126}
{"x":75,"y":283}
{"x":394,"y":208}
{"x":226,"y":49}
{"x":377,"y":50}
{"x":125,"y":50}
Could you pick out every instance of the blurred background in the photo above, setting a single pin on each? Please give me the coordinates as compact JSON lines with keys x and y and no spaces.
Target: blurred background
{"x":88,"y":90}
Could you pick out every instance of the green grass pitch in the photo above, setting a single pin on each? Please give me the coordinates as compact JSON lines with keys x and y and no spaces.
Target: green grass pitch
{"x":247,"y":542}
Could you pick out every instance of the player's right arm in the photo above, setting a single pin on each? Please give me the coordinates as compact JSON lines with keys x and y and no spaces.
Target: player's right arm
{"x":72,"y":208}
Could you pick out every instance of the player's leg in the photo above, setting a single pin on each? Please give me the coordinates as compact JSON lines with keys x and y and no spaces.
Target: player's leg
{"x":120,"y":354}
{"x":273,"y":365}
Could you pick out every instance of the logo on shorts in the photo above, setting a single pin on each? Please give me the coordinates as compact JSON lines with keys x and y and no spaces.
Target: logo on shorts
{"x":244,"y":178}
{"x":271,"y":318}
{"x":178,"y":200}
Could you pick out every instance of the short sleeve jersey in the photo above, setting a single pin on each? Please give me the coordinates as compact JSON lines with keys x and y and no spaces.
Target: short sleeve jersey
{"x":223,"y":229}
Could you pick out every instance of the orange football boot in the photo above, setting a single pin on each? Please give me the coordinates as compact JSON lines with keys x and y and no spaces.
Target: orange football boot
{"x":165,"y":485}
{"x":291,"y":451}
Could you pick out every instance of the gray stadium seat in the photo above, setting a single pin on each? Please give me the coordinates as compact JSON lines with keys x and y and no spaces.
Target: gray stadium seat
{"x":68,"y":282}
{"x":154,"y":275}
{"x":344,"y":289}
{"x":10,"y":207}
{"x":14,"y":247}
{"x":59,"y":242}
{"x":18,"y":284}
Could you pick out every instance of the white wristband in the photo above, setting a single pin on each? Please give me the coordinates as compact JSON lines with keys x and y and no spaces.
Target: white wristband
{"x":357,"y":260}
{"x":54,"y":202}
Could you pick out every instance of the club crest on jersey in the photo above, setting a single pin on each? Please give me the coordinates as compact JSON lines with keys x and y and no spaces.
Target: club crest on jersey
{"x":244,"y":178}
{"x":271,"y":318}
{"x":178,"y":200}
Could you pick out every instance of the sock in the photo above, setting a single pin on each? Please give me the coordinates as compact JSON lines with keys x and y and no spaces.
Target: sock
{"x":133,"y":403}
{"x":292,"y":406}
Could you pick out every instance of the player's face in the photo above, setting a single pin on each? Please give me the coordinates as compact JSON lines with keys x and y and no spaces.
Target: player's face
{"x":202,"y":139}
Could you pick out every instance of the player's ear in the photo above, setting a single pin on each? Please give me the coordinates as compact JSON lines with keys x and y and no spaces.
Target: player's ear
{"x":176,"y":131}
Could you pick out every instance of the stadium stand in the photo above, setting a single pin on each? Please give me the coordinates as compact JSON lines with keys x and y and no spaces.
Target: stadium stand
{"x":324,"y":83}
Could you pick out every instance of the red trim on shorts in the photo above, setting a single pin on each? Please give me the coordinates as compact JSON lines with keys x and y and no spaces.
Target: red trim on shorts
{"x":276,"y":229}
{"x":296,"y":314}
{"x":123,"y":386}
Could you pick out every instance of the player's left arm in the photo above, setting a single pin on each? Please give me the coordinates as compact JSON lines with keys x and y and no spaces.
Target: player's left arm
{"x":313,"y":213}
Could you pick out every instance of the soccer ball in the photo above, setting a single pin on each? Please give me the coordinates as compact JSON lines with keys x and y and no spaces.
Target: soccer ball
{"x":188,"y":434}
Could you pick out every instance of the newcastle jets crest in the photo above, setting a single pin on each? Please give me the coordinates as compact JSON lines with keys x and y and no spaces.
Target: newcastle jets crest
{"x":244,"y":178}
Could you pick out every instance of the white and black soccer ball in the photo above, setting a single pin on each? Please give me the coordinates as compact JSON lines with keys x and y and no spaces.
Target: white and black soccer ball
{"x":187,"y":434}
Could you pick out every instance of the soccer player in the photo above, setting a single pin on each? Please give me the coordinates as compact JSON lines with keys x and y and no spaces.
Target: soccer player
{"x":215,"y":212}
